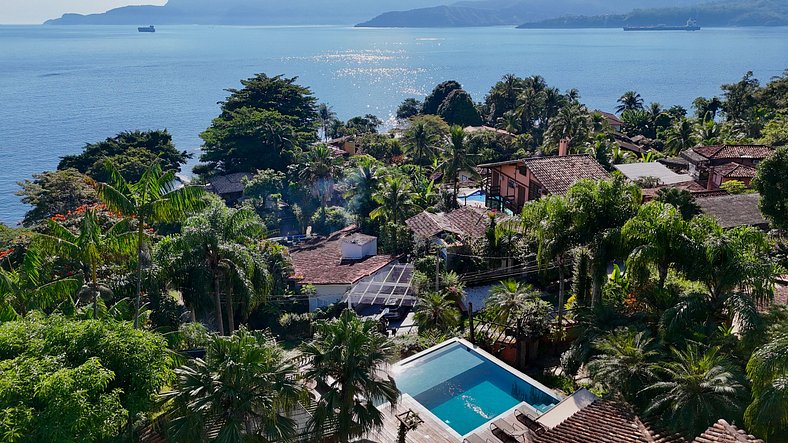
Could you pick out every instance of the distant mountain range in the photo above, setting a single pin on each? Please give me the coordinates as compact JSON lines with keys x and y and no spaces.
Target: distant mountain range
{"x":245,"y":12}
{"x":589,"y":13}
{"x":721,"y":14}
{"x":435,"y":13}
{"x":509,"y":12}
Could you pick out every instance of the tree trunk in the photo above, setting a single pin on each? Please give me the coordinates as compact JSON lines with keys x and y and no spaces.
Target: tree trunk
{"x":137,"y":300}
{"x":560,"y":292}
{"x":230,"y":311}
{"x":663,"y":275}
{"x":217,"y":301}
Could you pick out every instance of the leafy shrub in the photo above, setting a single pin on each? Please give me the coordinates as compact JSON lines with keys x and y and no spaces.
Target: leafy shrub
{"x":328,"y":220}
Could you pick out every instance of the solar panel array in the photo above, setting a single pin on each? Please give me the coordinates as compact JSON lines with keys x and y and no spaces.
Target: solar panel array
{"x":391,"y":287}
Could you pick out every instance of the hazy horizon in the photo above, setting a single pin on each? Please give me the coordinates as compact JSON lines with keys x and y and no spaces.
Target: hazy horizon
{"x":36,"y":12}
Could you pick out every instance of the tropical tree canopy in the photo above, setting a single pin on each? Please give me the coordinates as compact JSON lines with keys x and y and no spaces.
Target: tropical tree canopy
{"x":345,"y":357}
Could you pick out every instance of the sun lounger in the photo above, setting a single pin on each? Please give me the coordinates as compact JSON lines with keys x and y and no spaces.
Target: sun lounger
{"x":509,"y":431}
{"x":473,"y":438}
{"x":528,"y":417}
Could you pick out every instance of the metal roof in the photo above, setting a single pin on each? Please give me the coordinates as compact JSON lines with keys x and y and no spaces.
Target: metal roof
{"x":392,"y":287}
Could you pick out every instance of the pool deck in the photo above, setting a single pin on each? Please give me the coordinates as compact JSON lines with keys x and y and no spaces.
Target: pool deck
{"x":428,"y":432}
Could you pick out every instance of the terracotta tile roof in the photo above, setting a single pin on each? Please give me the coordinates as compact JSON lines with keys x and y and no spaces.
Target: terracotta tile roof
{"x":734,"y":210}
{"x":467,"y":221}
{"x":612,"y":119}
{"x":730,"y":152}
{"x":722,"y":432}
{"x":605,"y":421}
{"x":557,"y":174}
{"x":320,"y":262}
{"x":735,"y":170}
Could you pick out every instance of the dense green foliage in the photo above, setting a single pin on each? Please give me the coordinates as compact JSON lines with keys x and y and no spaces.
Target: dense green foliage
{"x":67,"y":380}
{"x":264,"y":125}
{"x":772,"y":184}
{"x":55,"y":192}
{"x":129,"y":152}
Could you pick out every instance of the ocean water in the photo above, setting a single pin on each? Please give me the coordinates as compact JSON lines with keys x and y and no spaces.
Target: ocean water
{"x":62,"y":87}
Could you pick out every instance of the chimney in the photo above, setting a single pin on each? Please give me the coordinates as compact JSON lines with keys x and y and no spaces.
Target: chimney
{"x":359,"y":246}
{"x":563,"y":147}
{"x":710,"y":182}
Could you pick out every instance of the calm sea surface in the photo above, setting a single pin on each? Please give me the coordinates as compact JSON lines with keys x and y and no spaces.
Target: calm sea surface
{"x":61,"y":87}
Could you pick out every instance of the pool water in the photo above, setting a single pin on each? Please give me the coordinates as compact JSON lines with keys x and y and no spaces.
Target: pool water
{"x":464,"y":389}
{"x":478,"y":197}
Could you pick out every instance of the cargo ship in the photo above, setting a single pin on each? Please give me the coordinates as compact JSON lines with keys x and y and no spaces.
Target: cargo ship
{"x":146,"y":29}
{"x":691,"y":25}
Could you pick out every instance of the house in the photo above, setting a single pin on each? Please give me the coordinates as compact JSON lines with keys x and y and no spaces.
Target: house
{"x":731,"y":211}
{"x":703,"y":161}
{"x":732,"y":171}
{"x":467,"y":221}
{"x":640,"y":171}
{"x":510,"y":184}
{"x":332,"y":265}
{"x":344,"y":145}
{"x":612,"y":119}
{"x":229,"y":187}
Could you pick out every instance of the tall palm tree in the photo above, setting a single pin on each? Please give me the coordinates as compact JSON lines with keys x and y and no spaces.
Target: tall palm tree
{"x":422,"y":139}
{"x":768,"y":371}
{"x":707,"y":131}
{"x":395,"y":200}
{"x":436,"y":311}
{"x":599,"y":209}
{"x":321,"y":166}
{"x":246,"y":386}
{"x":363,"y":183}
{"x":156,"y":197}
{"x":508,"y":298}
{"x":659,"y":237}
{"x":548,"y":223}
{"x":679,"y":136}
{"x":571,"y":123}
{"x":216,"y":253}
{"x":326,"y":116}
{"x":27,"y":287}
{"x":625,"y":363}
{"x":456,"y":159}
{"x":630,"y":101}
{"x":346,"y":357}
{"x":698,"y":389}
{"x":89,"y":247}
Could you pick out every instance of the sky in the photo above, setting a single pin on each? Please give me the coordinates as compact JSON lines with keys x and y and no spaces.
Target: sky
{"x":37,"y":11}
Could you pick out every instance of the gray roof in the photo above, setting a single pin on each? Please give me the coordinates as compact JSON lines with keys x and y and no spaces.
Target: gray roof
{"x":731,"y":211}
{"x":635,"y":171}
{"x":228,"y":184}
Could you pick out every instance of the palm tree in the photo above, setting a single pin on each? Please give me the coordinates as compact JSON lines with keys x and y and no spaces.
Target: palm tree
{"x":509,"y":122}
{"x":599,"y":209}
{"x":326,"y":116}
{"x":88,"y":248}
{"x":154,"y":198}
{"x":768,"y":371}
{"x":363,"y":183}
{"x":246,"y":386}
{"x":571,"y":123}
{"x":548,"y":222}
{"x":436,"y":311}
{"x":659,"y":237}
{"x":26,"y":288}
{"x":679,"y":136}
{"x":625,"y":363}
{"x":630,"y":101}
{"x":395,"y":199}
{"x":508,"y":298}
{"x":424,"y":192}
{"x":321,"y":165}
{"x":346,"y":357}
{"x":619,"y":156}
{"x":216,"y":253}
{"x":456,"y":159}
{"x":707,"y":131}
{"x":699,"y":389}
{"x":422,"y":138}
{"x":681,"y":199}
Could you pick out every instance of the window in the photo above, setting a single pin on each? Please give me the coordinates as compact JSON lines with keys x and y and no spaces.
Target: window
{"x":511,"y":184}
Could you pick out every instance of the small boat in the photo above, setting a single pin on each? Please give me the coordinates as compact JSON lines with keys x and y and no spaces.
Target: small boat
{"x":691,"y":25}
{"x":146,"y":29}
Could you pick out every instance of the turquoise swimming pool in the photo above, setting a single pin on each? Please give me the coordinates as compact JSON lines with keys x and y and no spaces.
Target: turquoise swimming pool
{"x":478,"y":197}
{"x":464,"y":389}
